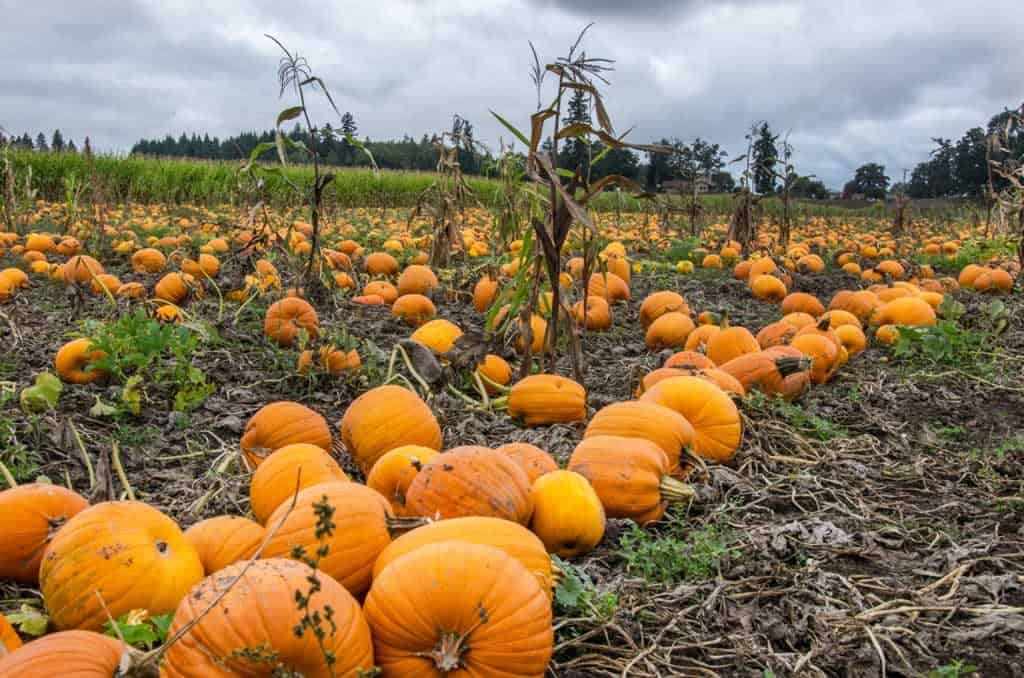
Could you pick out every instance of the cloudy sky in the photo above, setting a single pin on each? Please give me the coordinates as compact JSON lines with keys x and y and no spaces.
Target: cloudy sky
{"x":854,"y":81}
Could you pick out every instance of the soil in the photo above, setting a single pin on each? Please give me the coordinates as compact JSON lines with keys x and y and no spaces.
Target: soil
{"x":891,"y":543}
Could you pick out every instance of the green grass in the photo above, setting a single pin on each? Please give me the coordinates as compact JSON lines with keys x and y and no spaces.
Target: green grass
{"x":679,"y":553}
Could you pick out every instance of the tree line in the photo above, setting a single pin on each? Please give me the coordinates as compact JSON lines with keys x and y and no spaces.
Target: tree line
{"x":57,"y":142}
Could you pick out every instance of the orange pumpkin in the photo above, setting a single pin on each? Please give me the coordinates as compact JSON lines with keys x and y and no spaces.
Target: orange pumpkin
{"x":413,"y":309}
{"x":567,"y":513}
{"x":224,"y":540}
{"x":639,"y":419}
{"x":471,"y":481}
{"x":416,"y":279}
{"x":658,"y":304}
{"x":81,"y":654}
{"x":287,"y":317}
{"x":384,"y":418}
{"x":250,"y":631}
{"x":130,"y":553}
{"x":9,"y":640}
{"x":413,"y":635}
{"x":286,"y":472}
{"x":547,"y":399}
{"x":394,"y":471}
{"x":669,"y":330}
{"x":534,"y":461}
{"x":73,"y":359}
{"x":32,"y":515}
{"x":484,"y":294}
{"x":730,"y":343}
{"x":717,"y":429}
{"x":282,"y":423}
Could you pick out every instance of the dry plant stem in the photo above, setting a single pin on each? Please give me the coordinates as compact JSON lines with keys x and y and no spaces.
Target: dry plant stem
{"x":115,"y":458}
{"x":525,"y":326}
{"x":5,"y":473}
{"x":85,"y":455}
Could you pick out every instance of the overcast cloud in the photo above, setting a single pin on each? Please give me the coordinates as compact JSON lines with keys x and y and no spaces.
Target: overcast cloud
{"x":854,"y":81}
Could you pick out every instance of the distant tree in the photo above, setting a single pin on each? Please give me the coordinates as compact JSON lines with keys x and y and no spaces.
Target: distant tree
{"x":869,"y":179}
{"x":71,"y":146}
{"x":658,"y":168}
{"x":57,"y":144}
{"x":723,"y":182}
{"x":766,"y":155}
{"x":809,"y":187}
{"x":575,"y":152}
{"x":26,"y":141}
{"x":40,"y":143}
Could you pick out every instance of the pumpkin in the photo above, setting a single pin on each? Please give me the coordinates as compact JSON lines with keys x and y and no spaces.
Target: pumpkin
{"x":767,"y":287}
{"x":416,"y":279}
{"x":887,"y":335}
{"x":852,"y":338}
{"x":224,"y":540}
{"x":778,"y":333}
{"x":512,"y":538}
{"x":282,"y":423}
{"x":331,"y":360}
{"x":547,"y":399}
{"x":363,"y":520}
{"x":698,"y":339}
{"x":207,"y":266}
{"x":437,"y":335}
{"x":9,"y":640}
{"x":534,"y":461}
{"x":394,"y":471}
{"x":729,"y":343}
{"x":798,"y":319}
{"x":838,"y":318}
{"x":104,"y":283}
{"x":383,"y":289}
{"x":905,"y":311}
{"x":413,"y":309}
{"x":773,"y":372}
{"x":861,"y":304}
{"x":803,"y":303}
{"x":457,"y":608}
{"x":250,"y":631}
{"x":80,"y":269}
{"x":148,"y":260}
{"x":608,"y":285}
{"x":381,"y":263}
{"x":131,"y":290}
{"x":630,"y":475}
{"x":80,"y":654}
{"x":497,"y":370}
{"x":823,"y":351}
{"x":567,"y":514}
{"x":130,"y":553}
{"x":810,"y":263}
{"x":471,"y":481}
{"x":664,"y":427}
{"x":969,"y":274}
{"x":32,"y":515}
{"x":484,"y":293}
{"x":39,"y":242}
{"x":73,"y":359}
{"x":717,"y":430}
{"x":669,"y":330}
{"x":689,"y":358}
{"x":658,"y":304}
{"x":597,"y":315}
{"x":287,"y":317}
{"x":384,"y":418}
{"x":174,"y":288}
{"x":287,"y":471}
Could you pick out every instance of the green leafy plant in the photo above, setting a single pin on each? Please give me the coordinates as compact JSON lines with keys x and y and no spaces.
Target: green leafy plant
{"x":678,"y":555}
{"x":955,"y":669}
{"x":42,"y":396}
{"x":144,"y":355}
{"x":945,"y":343}
{"x":29,"y":620}
{"x":140,"y":630}
{"x":321,"y":626}
{"x":577,"y":594}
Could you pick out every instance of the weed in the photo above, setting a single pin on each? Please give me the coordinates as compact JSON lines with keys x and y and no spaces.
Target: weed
{"x":955,"y":669}
{"x":320,"y":626}
{"x":577,"y":594}
{"x":138,"y":629}
{"x":677,"y":556}
{"x":817,"y":427}
{"x":21,"y":462}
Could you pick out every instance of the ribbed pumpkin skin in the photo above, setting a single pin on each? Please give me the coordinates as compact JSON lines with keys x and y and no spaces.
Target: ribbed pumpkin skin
{"x":761,"y":371}
{"x":224,"y":540}
{"x":259,"y":613}
{"x":533,"y":460}
{"x":360,"y":534}
{"x":716,"y":421}
{"x":279,"y":424}
{"x":449,"y":588}
{"x":68,"y":654}
{"x":286,"y":317}
{"x":665,"y":427}
{"x":394,"y":472}
{"x":625,"y":473}
{"x":289,"y":469}
{"x":131,"y":553}
{"x":547,"y":399}
{"x":384,"y":418}
{"x":73,"y":357}
{"x":658,"y":304}
{"x":567,"y":513}
{"x":731,"y":342}
{"x":32,"y":514}
{"x":512,"y":538}
{"x":471,"y":481}
{"x":484,"y":292}
{"x":9,"y":640}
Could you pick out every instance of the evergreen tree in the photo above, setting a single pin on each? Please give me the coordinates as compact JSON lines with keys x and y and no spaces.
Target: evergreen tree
{"x":71,"y":146}
{"x":40,"y":143}
{"x":766,"y":155}
{"x":57,"y":145}
{"x":575,"y":152}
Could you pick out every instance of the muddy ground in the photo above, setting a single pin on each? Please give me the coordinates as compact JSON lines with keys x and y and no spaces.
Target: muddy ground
{"x":878,"y":534}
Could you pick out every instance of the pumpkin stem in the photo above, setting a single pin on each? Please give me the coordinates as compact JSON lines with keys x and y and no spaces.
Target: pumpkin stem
{"x":823,"y":322}
{"x":725,"y":320}
{"x":787,"y":365}
{"x":675,"y":491}
{"x":500,"y":403}
{"x":557,"y":574}
{"x":447,"y":654}
{"x":406,"y":524}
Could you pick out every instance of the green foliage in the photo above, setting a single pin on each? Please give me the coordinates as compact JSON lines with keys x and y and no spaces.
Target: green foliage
{"x":20,"y":461}
{"x":142,"y":354}
{"x":807,"y":422}
{"x":138,"y":629}
{"x":576,"y":594}
{"x":679,"y":554}
{"x":955,"y":669}
{"x":31,"y":621}
{"x":42,"y":395}
{"x":321,"y":626}
{"x":945,"y":343}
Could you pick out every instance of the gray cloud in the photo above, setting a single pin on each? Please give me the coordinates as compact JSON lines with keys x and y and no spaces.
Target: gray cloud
{"x":852,"y":82}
